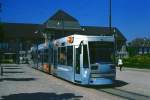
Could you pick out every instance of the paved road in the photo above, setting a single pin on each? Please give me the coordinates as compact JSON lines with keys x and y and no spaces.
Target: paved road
{"x":20,"y":82}
{"x":134,"y":84}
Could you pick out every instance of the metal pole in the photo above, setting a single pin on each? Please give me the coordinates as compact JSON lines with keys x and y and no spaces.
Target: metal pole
{"x":1,"y":55}
{"x":110,"y":28}
{"x":37,"y":55}
{"x":0,"y":51}
{"x":110,"y":18}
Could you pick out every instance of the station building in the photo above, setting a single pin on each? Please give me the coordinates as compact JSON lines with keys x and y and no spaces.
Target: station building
{"x":19,"y":37}
{"x":141,"y":45}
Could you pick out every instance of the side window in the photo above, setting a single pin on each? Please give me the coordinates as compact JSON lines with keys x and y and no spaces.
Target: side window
{"x":51,"y":53}
{"x":59,"y":50}
{"x":39,"y":56}
{"x":85,"y":57}
{"x":55,"y":60}
{"x":69,"y":55}
{"x":45,"y":57}
{"x":62,"y":55}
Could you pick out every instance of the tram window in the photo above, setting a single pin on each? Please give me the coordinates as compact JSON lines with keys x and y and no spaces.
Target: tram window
{"x":62,"y":56}
{"x":45,"y":50}
{"x":39,"y":58}
{"x":78,"y":52}
{"x":45,"y":55}
{"x":69,"y":55}
{"x":85,"y":57}
{"x":55,"y":57}
{"x":45,"y":58}
{"x":51,"y":55}
{"x":101,"y":52}
{"x":59,"y":50}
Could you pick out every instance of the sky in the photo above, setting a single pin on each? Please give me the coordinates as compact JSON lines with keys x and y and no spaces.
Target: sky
{"x":131,"y":17}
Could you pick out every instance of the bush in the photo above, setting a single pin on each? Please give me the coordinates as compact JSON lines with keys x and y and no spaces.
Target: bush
{"x":138,"y":61}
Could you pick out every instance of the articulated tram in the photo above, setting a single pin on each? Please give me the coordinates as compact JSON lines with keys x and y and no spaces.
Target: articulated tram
{"x":81,"y":59}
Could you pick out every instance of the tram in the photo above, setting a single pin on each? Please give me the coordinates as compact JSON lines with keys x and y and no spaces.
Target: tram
{"x":82,"y":59}
{"x":40,"y":57}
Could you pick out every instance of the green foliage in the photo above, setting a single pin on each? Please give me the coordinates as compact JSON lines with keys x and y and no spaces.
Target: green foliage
{"x":132,"y":51}
{"x":138,"y":61}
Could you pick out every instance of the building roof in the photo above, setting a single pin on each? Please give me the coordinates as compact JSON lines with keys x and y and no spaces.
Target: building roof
{"x":21,"y":30}
{"x":95,"y":30}
{"x":62,"y":20}
{"x":60,"y":14}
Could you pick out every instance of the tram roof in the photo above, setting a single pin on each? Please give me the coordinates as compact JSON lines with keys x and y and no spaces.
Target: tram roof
{"x":78,"y":38}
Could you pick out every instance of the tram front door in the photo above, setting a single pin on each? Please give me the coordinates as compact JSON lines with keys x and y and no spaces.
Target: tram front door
{"x":78,"y":63}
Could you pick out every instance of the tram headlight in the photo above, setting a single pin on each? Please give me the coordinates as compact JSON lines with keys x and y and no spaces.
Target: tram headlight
{"x":85,"y":74}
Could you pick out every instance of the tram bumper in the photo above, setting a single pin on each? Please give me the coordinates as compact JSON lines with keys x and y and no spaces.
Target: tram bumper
{"x":101,"y":81}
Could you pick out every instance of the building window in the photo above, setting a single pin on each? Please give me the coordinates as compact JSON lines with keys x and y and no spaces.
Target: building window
{"x":149,"y":49}
{"x":140,"y":50}
{"x":145,"y":50}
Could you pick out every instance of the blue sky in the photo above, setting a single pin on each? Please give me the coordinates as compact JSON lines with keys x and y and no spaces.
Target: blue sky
{"x":131,"y":17}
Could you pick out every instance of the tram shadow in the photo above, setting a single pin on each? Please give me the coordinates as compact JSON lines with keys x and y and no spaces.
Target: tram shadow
{"x":42,"y":96}
{"x":9,"y":66}
{"x":117,"y":83}
{"x":17,"y":79}
{"x":13,"y":72}
{"x":12,"y":68}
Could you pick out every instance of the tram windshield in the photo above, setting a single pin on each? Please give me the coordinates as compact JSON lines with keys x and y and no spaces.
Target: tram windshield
{"x":101,"y":52}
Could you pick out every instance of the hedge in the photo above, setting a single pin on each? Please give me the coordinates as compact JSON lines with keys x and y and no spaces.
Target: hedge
{"x":138,"y":61}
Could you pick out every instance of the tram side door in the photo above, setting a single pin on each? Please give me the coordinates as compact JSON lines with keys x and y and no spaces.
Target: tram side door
{"x":78,"y":63}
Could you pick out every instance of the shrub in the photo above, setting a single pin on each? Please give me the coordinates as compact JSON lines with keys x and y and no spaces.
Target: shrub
{"x":138,"y":61}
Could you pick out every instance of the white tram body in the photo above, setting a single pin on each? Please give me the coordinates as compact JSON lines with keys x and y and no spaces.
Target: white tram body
{"x":81,"y":59}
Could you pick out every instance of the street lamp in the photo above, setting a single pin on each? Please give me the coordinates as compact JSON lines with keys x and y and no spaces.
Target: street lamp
{"x":110,"y":29}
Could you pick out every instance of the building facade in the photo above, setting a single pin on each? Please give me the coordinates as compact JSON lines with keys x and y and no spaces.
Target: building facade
{"x":19,"y":37}
{"x":141,"y":45}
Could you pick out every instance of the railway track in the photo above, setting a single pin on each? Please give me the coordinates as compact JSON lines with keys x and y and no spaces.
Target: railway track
{"x":125,"y":94}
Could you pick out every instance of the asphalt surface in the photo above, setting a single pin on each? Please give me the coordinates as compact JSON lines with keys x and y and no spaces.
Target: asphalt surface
{"x":21,"y":82}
